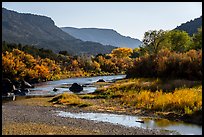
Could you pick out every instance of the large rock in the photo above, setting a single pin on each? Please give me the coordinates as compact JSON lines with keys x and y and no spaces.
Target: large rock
{"x":55,"y":89}
{"x":76,"y":87}
{"x":7,"y":86}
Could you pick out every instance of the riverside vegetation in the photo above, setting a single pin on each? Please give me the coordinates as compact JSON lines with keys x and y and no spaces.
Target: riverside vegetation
{"x":163,"y":75}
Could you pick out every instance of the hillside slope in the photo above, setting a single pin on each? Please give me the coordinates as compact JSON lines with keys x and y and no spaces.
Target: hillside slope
{"x":191,"y":26}
{"x":41,"y":31}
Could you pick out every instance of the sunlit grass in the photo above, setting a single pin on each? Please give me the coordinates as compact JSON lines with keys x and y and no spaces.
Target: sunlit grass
{"x":187,"y":100}
{"x":69,"y":99}
{"x":88,"y":96}
{"x":180,"y":96}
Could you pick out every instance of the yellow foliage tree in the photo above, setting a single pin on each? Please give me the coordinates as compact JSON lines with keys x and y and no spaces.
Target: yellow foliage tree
{"x":121,"y":52}
{"x":96,"y":66}
{"x":43,"y":72}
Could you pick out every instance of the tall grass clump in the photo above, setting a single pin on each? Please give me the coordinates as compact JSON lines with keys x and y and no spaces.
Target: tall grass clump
{"x":183,"y":96}
{"x":69,"y":99}
{"x":183,"y":101}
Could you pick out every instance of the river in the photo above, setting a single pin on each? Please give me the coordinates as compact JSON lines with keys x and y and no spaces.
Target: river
{"x":46,"y":88}
{"x":174,"y":127}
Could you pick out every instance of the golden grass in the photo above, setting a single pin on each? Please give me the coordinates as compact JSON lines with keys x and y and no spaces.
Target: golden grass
{"x":187,"y":100}
{"x":151,"y":94}
{"x":69,"y":99}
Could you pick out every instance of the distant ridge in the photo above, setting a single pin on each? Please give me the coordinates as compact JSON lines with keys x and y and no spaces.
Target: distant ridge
{"x":103,"y":36}
{"x":191,"y":26}
{"x":41,"y":31}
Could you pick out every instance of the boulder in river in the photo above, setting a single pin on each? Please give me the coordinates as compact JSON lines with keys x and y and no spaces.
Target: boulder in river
{"x":76,"y":87}
{"x":140,"y":121}
{"x":55,"y":89}
{"x":101,"y":80}
{"x":86,"y":85}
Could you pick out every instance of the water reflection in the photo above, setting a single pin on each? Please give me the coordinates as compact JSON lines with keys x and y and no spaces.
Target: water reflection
{"x":130,"y":121}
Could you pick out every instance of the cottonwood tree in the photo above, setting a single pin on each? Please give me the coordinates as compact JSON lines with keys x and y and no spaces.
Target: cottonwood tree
{"x":152,"y":41}
{"x":177,"y":40}
{"x":121,"y":52}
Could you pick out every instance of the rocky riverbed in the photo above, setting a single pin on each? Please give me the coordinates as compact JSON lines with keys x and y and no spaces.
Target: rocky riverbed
{"x":36,"y":116}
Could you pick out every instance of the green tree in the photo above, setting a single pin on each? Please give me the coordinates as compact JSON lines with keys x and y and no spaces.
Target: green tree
{"x":177,"y":40}
{"x":152,"y":41}
{"x":197,"y":40}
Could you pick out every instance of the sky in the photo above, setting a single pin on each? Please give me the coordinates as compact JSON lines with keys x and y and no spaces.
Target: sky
{"x":127,"y":18}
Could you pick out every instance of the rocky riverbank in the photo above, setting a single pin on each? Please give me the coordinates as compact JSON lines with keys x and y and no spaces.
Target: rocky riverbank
{"x":36,"y":116}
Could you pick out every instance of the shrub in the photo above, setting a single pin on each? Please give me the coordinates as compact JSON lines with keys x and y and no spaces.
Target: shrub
{"x":143,"y":67}
{"x":168,"y":64}
{"x":69,"y":99}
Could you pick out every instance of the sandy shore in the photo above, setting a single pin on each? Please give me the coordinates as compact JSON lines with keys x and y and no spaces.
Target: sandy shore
{"x":37,"y":117}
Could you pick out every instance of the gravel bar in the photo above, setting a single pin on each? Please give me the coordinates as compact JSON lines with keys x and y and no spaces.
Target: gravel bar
{"x":18,"y":119}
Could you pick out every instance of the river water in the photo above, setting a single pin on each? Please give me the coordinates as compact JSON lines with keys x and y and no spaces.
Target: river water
{"x":132,"y":121}
{"x":46,"y":88}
